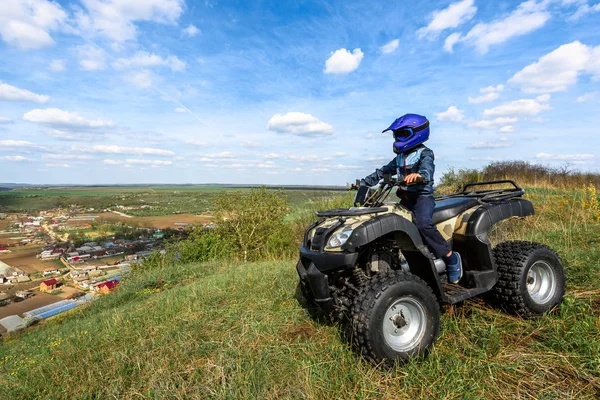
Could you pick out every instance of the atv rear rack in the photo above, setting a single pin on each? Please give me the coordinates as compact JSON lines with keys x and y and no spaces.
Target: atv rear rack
{"x":488,"y":195}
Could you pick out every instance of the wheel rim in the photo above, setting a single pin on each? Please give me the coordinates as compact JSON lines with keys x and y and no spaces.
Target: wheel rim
{"x":404,"y":324}
{"x":541,"y":282}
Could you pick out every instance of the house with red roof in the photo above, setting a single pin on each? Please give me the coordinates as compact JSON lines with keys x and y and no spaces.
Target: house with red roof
{"x":48,"y":285}
{"x":108,"y":286}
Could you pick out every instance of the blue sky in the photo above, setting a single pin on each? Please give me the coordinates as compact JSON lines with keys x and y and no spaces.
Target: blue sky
{"x":294,"y":92}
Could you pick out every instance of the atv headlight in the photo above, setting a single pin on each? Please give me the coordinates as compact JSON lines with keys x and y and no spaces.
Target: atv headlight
{"x":339,"y":238}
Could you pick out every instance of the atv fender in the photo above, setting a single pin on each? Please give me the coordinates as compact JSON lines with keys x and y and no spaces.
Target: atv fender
{"x":406,"y":234}
{"x":473,"y":243}
{"x":404,"y":231}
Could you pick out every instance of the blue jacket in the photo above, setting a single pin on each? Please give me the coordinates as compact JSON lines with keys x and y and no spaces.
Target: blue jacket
{"x":418,"y":160}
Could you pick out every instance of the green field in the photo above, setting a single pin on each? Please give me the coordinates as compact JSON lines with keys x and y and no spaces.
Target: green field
{"x":162,"y":200}
{"x":234,"y":330}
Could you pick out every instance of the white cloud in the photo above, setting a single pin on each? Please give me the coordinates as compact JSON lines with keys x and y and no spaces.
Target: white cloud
{"x":60,"y":118}
{"x":390,"y":47}
{"x":343,"y":62}
{"x":583,"y":10}
{"x":143,"y":59}
{"x":271,"y":156}
{"x":195,"y":142}
{"x":378,"y":159}
{"x":452,"y":114}
{"x":507,"y":129}
{"x":191,"y":30}
{"x":114,"y":149}
{"x":58,"y":165}
{"x":26,"y":24}
{"x":65,"y":157}
{"x":14,"y":158}
{"x":91,"y":58}
{"x":300,"y":124}
{"x":64,"y":135}
{"x":451,"y":40}
{"x":543,"y":97}
{"x":586,"y":97}
{"x":564,"y":157}
{"x":114,"y":19}
{"x":311,"y":157}
{"x":224,"y":156}
{"x":489,"y":93}
{"x":141,"y":79}
{"x":57,"y":65}
{"x":249,"y":144}
{"x":12,"y":93}
{"x":4,"y":120}
{"x":180,"y":110}
{"x":339,"y":154}
{"x":526,"y":18}
{"x":17,"y":143}
{"x":483,"y":159}
{"x":450,"y":17}
{"x":137,"y":162}
{"x":559,"y":69}
{"x":491,"y":123}
{"x":524,"y":107}
{"x":251,"y":164}
{"x":503,"y":142}
{"x":345,"y":167}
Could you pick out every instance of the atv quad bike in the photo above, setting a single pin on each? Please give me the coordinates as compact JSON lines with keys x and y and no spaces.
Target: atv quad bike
{"x":370,"y":265}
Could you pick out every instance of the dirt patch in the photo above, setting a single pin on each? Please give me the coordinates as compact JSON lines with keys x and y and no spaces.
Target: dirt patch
{"x":67,"y":292}
{"x":24,"y":258}
{"x":299,"y":332}
{"x":37,"y":301}
{"x":163,"y":221}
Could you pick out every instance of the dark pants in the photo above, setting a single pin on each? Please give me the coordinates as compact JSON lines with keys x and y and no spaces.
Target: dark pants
{"x":422,"y":208}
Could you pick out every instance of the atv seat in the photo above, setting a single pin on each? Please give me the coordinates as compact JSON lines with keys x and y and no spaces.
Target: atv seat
{"x":449,"y":208}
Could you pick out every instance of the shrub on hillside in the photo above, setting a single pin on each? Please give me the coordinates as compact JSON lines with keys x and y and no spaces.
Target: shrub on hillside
{"x":251,"y":220}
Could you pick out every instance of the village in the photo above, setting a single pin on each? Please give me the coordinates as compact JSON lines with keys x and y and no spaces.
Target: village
{"x":63,"y":258}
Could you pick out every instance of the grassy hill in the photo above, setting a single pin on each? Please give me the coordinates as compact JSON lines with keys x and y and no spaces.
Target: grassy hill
{"x":233,"y":330}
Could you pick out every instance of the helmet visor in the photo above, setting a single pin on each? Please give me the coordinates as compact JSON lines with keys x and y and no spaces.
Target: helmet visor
{"x":404,"y":134}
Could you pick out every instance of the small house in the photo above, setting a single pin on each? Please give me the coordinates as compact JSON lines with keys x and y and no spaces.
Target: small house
{"x":51,"y":271}
{"x":48,"y":285}
{"x":108,"y":286}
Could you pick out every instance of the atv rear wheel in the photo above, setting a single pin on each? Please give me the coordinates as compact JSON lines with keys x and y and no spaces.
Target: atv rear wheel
{"x":531,"y":279}
{"x":395,"y":318}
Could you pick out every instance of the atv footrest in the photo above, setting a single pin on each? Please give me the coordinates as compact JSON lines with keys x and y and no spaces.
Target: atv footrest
{"x":456,"y":293}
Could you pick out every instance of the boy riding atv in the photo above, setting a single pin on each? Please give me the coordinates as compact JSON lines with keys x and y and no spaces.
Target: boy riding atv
{"x":414,"y":164}
{"x":377,"y":265}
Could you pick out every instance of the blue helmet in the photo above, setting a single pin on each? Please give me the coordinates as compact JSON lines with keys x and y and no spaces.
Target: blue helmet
{"x":409,"y":130}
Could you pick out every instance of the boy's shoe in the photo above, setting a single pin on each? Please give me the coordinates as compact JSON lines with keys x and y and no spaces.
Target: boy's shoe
{"x":454,"y":270}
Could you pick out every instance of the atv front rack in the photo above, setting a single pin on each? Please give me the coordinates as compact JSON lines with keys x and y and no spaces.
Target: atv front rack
{"x":488,"y":195}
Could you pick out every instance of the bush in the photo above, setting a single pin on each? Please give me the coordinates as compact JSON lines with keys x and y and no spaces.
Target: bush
{"x":251,"y":220}
{"x":523,"y":172}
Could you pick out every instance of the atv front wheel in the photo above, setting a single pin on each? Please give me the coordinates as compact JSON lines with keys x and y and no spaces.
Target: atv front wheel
{"x":531,"y":279}
{"x":396,"y":317}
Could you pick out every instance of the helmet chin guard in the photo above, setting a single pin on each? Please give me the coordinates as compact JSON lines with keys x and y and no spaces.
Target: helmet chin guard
{"x":409,"y":130}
